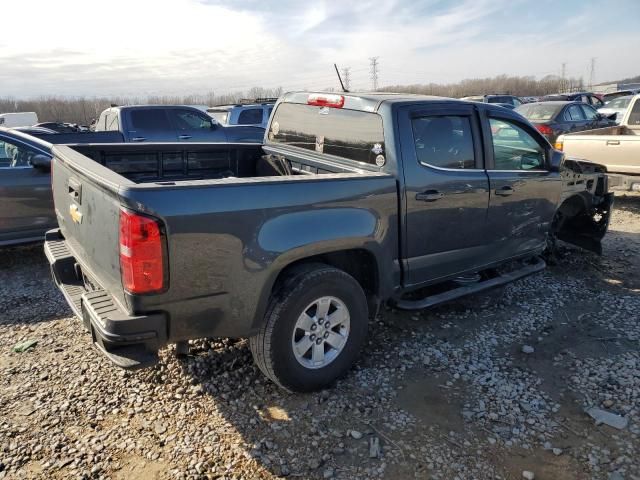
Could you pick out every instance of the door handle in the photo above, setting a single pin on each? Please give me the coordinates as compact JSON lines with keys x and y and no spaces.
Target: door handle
{"x":429,"y":196}
{"x":613,"y":142}
{"x":184,"y":137}
{"x":504,"y":191}
{"x":138,"y":139}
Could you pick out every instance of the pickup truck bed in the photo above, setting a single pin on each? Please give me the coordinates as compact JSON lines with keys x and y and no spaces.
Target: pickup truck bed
{"x":210,"y":199}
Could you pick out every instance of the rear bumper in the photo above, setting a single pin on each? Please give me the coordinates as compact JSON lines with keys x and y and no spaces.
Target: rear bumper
{"x":128,"y":341}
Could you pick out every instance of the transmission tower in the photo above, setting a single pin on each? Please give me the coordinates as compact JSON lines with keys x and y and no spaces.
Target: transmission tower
{"x":592,"y":72}
{"x":346,"y":79}
{"x":374,"y":72}
{"x":563,"y":76}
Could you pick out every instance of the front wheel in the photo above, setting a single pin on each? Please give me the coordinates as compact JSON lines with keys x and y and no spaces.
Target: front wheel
{"x":314,"y":329}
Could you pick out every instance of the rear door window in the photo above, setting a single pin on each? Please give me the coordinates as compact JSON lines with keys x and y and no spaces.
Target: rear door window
{"x":574,"y":114}
{"x":190,"y":120}
{"x":444,"y":141}
{"x":150,"y":119}
{"x":351,"y":134}
{"x":250,"y":116}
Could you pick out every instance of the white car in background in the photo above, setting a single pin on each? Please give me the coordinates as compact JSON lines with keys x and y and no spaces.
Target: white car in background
{"x":618,"y":106}
{"x":18,"y":119}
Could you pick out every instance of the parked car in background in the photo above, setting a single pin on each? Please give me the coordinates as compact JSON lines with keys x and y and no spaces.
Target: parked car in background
{"x":506,"y":105}
{"x":255,"y":113}
{"x":618,"y":107}
{"x":34,"y":130}
{"x":354,"y":200}
{"x":172,"y":123}
{"x":584,"y":97}
{"x":495,"y":98}
{"x":18,"y":119}
{"x":607,"y":97}
{"x":26,"y":204}
{"x":557,"y":117}
{"x":617,"y":148}
{"x":59,"y":127}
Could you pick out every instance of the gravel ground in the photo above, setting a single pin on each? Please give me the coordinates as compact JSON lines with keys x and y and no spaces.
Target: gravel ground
{"x":487,"y":387}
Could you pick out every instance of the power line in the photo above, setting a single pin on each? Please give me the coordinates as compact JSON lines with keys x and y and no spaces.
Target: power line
{"x":374,"y":72}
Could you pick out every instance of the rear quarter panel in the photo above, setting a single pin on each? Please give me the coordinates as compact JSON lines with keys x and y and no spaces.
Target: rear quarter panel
{"x":228,"y":242}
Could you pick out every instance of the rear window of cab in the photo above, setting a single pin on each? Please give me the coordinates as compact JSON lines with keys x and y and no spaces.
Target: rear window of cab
{"x":351,"y":134}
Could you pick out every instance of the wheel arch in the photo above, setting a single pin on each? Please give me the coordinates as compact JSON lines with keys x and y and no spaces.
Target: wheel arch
{"x":360,"y":263}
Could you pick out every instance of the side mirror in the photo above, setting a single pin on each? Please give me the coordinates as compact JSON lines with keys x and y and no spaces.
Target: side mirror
{"x":556,"y":160}
{"x":41,"y":162}
{"x":613,"y":116}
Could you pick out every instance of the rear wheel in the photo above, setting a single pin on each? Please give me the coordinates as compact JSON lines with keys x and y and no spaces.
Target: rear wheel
{"x":314,"y":329}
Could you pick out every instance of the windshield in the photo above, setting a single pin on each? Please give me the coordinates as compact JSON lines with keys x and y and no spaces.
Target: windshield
{"x":538,"y":111}
{"x":620,"y":102}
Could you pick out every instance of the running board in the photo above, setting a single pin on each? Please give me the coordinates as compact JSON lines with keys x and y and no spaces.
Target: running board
{"x":432,"y":300}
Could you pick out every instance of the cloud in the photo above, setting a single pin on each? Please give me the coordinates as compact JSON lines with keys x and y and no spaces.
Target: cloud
{"x":154,"y":47}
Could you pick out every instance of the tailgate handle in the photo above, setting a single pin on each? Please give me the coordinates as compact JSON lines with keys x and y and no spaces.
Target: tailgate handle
{"x":613,"y":142}
{"x":75,"y":190}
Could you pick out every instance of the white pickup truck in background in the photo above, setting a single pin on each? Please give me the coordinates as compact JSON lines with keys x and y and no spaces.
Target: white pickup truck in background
{"x":617,"y":148}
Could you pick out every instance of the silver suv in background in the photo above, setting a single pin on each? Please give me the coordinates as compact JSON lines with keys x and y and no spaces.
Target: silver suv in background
{"x":246,"y":112}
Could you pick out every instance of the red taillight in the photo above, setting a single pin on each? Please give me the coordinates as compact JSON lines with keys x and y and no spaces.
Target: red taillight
{"x":544,"y":129}
{"x":141,"y":257}
{"x":326,"y":100}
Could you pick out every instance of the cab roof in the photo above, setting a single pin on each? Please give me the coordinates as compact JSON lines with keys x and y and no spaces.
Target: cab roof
{"x":368,"y":101}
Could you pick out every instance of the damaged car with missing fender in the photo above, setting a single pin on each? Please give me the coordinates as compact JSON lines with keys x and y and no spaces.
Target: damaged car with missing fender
{"x":352,"y":200}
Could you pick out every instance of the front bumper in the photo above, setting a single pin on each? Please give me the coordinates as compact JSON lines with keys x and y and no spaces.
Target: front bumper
{"x":128,"y":341}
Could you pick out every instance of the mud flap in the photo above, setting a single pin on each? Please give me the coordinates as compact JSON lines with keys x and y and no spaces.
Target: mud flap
{"x":585,"y":229}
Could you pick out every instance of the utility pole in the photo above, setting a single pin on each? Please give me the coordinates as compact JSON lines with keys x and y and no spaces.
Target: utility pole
{"x":592,"y":73}
{"x":563,"y":83}
{"x":346,"y":78}
{"x":374,"y":72}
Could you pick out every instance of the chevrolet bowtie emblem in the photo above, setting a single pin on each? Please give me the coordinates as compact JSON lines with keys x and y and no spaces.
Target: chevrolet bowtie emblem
{"x":76,"y":216}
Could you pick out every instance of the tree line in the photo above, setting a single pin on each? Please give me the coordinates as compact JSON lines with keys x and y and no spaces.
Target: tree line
{"x":83,"y":110}
{"x":513,"y":85}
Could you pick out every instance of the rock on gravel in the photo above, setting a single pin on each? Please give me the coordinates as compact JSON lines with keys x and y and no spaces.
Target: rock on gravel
{"x":608,"y":418}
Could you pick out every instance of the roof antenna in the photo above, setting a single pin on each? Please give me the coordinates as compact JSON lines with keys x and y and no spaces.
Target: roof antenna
{"x":340,"y":78}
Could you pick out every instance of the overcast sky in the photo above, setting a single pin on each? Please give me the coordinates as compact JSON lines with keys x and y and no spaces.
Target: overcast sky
{"x":150,"y":47}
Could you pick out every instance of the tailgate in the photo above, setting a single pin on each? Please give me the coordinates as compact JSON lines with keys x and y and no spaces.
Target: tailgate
{"x":87,"y":207}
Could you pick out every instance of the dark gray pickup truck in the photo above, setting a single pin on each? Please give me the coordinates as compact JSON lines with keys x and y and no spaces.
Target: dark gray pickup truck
{"x":353,"y":200}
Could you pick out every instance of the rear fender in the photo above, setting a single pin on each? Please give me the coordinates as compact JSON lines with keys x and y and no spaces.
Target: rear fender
{"x":300,"y":236}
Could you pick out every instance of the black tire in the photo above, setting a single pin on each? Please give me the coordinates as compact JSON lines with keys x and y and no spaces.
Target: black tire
{"x":271,"y":347}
